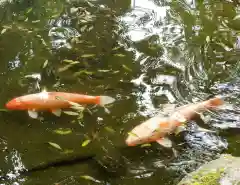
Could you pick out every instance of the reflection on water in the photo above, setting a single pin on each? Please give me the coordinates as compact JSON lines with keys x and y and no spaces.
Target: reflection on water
{"x":145,"y":101}
{"x":15,"y":161}
{"x":143,"y":18}
{"x":14,"y":64}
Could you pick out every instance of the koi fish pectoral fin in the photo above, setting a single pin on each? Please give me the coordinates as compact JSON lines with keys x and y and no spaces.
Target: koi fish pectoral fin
{"x":57,"y":112}
{"x":166,"y":142}
{"x":179,"y":129}
{"x":33,"y":114}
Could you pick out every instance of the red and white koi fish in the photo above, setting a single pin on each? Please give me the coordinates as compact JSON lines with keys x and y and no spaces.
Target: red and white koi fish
{"x":157,"y":128}
{"x":54,"y":102}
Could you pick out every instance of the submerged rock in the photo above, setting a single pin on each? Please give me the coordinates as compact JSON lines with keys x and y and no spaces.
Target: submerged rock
{"x":222,"y":171}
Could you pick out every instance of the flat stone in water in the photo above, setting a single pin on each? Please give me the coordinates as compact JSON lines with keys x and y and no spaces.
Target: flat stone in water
{"x":222,"y":171}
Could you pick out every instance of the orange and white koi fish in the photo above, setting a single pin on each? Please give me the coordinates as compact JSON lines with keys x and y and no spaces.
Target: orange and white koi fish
{"x":54,"y":102}
{"x":157,"y":128}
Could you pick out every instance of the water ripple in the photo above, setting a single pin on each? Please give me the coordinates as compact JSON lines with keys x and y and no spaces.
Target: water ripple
{"x":60,"y":36}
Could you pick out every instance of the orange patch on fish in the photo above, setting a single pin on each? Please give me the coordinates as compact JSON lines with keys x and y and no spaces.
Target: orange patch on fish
{"x":177,"y":123}
{"x":164,"y":124}
{"x":216,"y":102}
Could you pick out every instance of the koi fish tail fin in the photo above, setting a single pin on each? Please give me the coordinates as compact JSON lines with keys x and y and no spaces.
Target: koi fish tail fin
{"x":215,"y":102}
{"x":104,"y":100}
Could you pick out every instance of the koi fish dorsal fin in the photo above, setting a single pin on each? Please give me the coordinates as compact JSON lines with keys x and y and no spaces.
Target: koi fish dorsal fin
{"x":164,"y":141}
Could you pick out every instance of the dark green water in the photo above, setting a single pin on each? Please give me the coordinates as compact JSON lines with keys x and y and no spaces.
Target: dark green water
{"x":187,"y":51}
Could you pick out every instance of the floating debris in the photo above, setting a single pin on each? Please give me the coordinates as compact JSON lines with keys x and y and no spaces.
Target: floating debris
{"x":63,"y":131}
{"x":55,"y":145}
{"x":86,"y":142}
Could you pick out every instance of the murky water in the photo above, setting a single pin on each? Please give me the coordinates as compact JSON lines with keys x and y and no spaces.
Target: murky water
{"x":143,"y":53}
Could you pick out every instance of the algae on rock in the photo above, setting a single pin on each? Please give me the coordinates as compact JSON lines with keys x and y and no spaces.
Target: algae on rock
{"x":222,"y":171}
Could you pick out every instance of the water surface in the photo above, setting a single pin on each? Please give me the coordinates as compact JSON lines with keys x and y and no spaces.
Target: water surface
{"x":143,"y":53}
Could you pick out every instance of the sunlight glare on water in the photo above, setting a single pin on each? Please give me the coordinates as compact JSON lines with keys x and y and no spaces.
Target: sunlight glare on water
{"x":144,"y":20}
{"x":150,"y":13}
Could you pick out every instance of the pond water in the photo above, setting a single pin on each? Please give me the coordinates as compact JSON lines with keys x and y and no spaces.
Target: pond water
{"x":144,"y":53}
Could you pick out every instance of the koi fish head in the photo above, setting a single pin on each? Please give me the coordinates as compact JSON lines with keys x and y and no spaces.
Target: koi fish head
{"x":146,"y":132}
{"x":15,"y":104}
{"x":133,"y":139}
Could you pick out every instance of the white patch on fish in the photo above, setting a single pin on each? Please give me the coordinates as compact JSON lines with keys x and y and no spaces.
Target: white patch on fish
{"x":155,"y":124}
{"x":43,"y":95}
{"x":179,"y":117}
